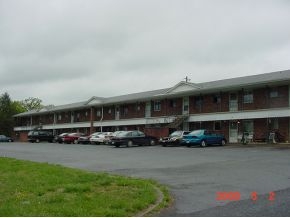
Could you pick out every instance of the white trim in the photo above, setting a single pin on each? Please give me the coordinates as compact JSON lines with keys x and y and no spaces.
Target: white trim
{"x":239,"y":115}
{"x":182,"y":87}
{"x":281,"y":112}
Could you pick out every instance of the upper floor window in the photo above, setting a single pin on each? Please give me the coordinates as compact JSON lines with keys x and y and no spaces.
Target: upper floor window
{"x":172,"y":103}
{"x":198,"y":100}
{"x":126,"y":110}
{"x":98,"y":113}
{"x":248,"y":97}
{"x":274,"y":94}
{"x":216,"y":99}
{"x":157,"y":105}
{"x":137,"y":107}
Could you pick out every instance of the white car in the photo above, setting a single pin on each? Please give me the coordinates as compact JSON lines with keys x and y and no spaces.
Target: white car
{"x":101,"y":138}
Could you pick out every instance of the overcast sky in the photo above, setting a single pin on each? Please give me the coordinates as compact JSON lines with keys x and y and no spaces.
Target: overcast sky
{"x":65,"y":51}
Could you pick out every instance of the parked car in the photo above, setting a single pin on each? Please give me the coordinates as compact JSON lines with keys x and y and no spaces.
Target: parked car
{"x":4,"y":138}
{"x":72,"y":138}
{"x":59,"y":138}
{"x":86,"y":139}
{"x":114,"y":135}
{"x":40,"y":135}
{"x":174,"y":138}
{"x":101,"y":138}
{"x":130,"y":138}
{"x":203,"y":138}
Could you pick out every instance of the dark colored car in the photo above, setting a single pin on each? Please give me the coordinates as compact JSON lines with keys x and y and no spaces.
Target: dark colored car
{"x":84,"y":139}
{"x":59,"y":138}
{"x":174,"y":138}
{"x":40,"y":135}
{"x":72,"y":138}
{"x":4,"y":138}
{"x":130,"y":138}
{"x":203,"y":138}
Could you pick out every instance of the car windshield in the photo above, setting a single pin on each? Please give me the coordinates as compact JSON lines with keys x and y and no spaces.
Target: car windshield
{"x":196,"y":132}
{"x":176,"y":134}
{"x":123,"y":134}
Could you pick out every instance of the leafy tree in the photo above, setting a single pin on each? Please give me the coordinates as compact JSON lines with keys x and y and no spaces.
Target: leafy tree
{"x":31,"y":104}
{"x":8,"y":108}
{"x":6,"y":114}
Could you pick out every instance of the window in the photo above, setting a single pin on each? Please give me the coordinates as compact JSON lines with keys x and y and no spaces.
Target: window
{"x":109,"y":111}
{"x":274,"y":94}
{"x":157,"y":105}
{"x":248,"y":97}
{"x":217,"y":125}
{"x":98,"y":113}
{"x":137,"y":107}
{"x":87,"y":114}
{"x":59,"y":117}
{"x":198,"y":101}
{"x":126,"y":110}
{"x":216,"y":99}
{"x":172,"y":103}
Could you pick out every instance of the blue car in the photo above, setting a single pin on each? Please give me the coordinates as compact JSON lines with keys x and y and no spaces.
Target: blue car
{"x":203,"y":138}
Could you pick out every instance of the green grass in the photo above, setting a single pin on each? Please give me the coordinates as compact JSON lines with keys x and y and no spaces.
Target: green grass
{"x":39,"y":189}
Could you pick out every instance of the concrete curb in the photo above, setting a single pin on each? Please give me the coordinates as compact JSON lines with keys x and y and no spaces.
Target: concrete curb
{"x":160,"y":198}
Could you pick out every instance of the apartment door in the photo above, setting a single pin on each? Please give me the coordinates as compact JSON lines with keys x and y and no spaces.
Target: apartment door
{"x":233,"y":101}
{"x":117,"y":112}
{"x":233,"y":134}
{"x":148,"y":109}
{"x":185,"y":110}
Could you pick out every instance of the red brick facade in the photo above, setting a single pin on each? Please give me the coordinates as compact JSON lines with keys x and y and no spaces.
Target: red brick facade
{"x":254,"y":99}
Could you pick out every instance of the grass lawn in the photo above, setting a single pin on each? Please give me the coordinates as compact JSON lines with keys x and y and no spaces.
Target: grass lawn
{"x":39,"y":189}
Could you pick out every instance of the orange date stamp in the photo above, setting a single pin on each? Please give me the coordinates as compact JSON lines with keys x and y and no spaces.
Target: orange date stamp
{"x":236,"y":196}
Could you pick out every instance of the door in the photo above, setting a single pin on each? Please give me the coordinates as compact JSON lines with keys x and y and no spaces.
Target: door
{"x":148,"y":109}
{"x":117,"y":112}
{"x":233,"y":134}
{"x":233,"y":101}
{"x":185,"y":110}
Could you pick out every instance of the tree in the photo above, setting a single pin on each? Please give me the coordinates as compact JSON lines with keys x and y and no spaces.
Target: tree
{"x":8,"y":108}
{"x":6,"y":114}
{"x":31,"y":104}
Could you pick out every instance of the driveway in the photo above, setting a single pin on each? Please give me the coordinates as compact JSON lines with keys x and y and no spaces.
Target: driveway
{"x":193,"y":175}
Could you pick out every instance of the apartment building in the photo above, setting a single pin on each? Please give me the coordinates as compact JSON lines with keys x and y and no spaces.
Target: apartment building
{"x":255,"y":104}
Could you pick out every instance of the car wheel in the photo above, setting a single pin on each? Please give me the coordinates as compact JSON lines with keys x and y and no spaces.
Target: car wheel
{"x":129,"y":143}
{"x":223,"y":142}
{"x":37,"y":140}
{"x":152,"y":142}
{"x":9,"y":140}
{"x":164,"y":145}
{"x":203,"y":143}
{"x":75,"y":141}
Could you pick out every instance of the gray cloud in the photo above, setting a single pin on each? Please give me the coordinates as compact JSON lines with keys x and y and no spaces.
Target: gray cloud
{"x":64,"y":51}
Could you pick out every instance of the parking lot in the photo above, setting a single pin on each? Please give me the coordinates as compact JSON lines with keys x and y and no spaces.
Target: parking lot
{"x":194,"y":175}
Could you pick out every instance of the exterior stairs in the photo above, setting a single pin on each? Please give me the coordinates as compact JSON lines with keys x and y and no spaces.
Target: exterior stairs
{"x":177,"y":121}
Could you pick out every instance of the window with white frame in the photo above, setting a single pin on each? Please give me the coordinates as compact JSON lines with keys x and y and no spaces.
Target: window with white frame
{"x":248,"y":97}
{"x":157,"y":105}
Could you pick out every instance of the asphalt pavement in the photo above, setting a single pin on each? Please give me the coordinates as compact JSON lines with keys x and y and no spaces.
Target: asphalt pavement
{"x":200,"y":179}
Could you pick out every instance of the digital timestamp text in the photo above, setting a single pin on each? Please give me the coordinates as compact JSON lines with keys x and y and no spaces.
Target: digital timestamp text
{"x":236,"y":196}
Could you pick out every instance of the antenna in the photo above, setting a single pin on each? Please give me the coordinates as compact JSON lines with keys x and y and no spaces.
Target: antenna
{"x":186,"y":79}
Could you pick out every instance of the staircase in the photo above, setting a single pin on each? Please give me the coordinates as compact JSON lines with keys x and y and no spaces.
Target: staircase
{"x":177,"y":121}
